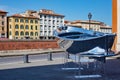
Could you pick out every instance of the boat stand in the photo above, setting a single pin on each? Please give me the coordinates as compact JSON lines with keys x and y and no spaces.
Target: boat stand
{"x":68,"y":60}
{"x":90,"y":68}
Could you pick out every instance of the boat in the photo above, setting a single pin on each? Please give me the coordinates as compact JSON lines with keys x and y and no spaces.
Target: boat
{"x":76,"y":40}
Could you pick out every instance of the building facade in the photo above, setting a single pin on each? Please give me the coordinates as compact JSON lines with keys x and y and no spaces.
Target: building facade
{"x":105,"y":29}
{"x":3,"y":24}
{"x":49,"y":21}
{"x":93,"y":25}
{"x":23,"y":27}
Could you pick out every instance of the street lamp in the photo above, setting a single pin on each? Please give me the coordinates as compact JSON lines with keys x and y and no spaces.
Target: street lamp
{"x":89,"y":17}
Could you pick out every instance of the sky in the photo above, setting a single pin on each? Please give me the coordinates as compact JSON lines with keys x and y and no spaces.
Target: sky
{"x":101,"y":10}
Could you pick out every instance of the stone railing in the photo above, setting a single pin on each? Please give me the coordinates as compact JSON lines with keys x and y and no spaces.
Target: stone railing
{"x":28,"y":52}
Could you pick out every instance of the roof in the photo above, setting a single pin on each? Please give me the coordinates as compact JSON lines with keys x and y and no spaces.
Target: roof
{"x":53,"y":14}
{"x":86,"y":21}
{"x":67,"y":21}
{"x":20,"y":16}
{"x":1,"y":11}
{"x":49,"y":12}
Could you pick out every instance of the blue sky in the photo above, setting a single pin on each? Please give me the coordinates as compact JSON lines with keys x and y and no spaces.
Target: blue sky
{"x":72,"y":9}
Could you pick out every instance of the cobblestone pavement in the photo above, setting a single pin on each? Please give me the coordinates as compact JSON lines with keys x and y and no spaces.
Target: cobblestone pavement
{"x":52,"y":70}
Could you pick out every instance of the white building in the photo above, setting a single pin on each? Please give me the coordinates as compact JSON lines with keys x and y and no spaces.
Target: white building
{"x":49,"y":21}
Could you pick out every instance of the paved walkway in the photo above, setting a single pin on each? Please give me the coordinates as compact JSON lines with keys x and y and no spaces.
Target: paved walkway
{"x":51,"y":70}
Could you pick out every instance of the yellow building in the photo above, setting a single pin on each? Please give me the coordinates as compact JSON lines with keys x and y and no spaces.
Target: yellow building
{"x":23,"y":27}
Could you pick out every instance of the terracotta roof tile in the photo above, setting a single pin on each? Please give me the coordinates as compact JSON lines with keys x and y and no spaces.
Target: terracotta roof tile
{"x":20,"y":16}
{"x":54,"y":14}
{"x":3,"y":11}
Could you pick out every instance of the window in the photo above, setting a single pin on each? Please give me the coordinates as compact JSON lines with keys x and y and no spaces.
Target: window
{"x":40,"y":16}
{"x":54,"y":27}
{"x":10,"y":33}
{"x":21,"y":20}
{"x":2,"y":22}
{"x":31,"y":34}
{"x":27,"y":33}
{"x":16,"y":33}
{"x":22,"y":33}
{"x":31,"y":27}
{"x":41,"y":28}
{"x":35,"y":27}
{"x":10,"y":26}
{"x":49,"y":16}
{"x":45,"y":22}
{"x":26,"y":21}
{"x":2,"y":28}
{"x":36,"y":21}
{"x":45,"y":16}
{"x":49,"y":32}
{"x":36,"y":33}
{"x":41,"y":21}
{"x":16,"y":26}
{"x":49,"y":27}
{"x":21,"y":27}
{"x":53,"y":21}
{"x":61,"y":21}
{"x":3,"y":16}
{"x":31,"y":21}
{"x":26,"y":27}
{"x":16,"y":37}
{"x":45,"y":27}
{"x":41,"y":33}
{"x":45,"y":33}
{"x":49,"y":22}
{"x":16,"y":20}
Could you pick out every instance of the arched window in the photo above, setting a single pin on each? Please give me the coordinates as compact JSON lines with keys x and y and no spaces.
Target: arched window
{"x":27,"y":33}
{"x":31,"y":21}
{"x":21,"y":27}
{"x":16,"y":33}
{"x":16,"y":26}
{"x":36,"y":33}
{"x":31,"y":34}
{"x":10,"y":33}
{"x":16,"y":20}
{"x":35,"y":27}
{"x":26,"y":27}
{"x":21,"y":20}
{"x":21,"y":33}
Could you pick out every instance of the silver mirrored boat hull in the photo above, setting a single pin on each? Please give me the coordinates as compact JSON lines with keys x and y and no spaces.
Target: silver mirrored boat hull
{"x":76,"y":40}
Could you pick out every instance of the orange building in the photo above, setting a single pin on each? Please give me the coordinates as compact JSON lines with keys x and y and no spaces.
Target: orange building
{"x":116,"y":23}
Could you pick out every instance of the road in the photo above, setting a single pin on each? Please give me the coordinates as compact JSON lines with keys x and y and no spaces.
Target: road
{"x":14,"y":59}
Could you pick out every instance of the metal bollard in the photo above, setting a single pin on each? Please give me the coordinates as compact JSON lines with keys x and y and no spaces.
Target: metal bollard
{"x":49,"y":56}
{"x":26,"y":58}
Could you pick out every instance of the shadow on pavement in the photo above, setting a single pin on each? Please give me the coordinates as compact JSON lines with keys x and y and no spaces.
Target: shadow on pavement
{"x":54,"y":72}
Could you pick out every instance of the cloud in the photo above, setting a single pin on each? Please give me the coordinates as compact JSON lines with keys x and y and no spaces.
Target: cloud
{"x":10,"y":10}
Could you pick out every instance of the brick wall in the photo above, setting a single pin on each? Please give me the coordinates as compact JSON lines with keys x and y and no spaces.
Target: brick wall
{"x":27,"y":44}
